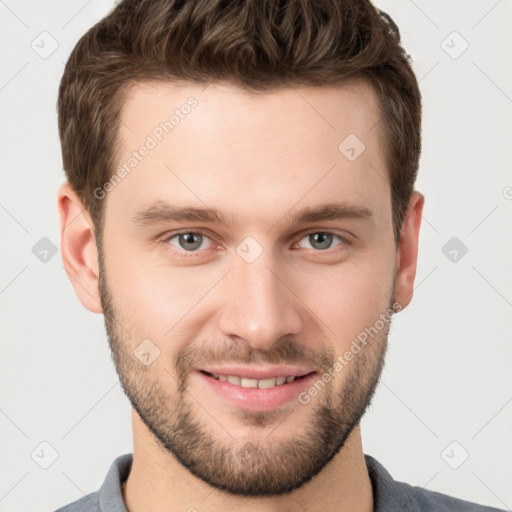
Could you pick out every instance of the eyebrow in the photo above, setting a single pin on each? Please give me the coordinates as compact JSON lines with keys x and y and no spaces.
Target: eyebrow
{"x":164,"y":212}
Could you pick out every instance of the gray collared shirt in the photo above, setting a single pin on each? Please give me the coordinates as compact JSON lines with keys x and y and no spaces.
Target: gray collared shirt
{"x":388,"y":495}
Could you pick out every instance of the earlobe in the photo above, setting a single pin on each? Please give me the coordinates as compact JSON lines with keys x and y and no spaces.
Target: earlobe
{"x":78,"y":248}
{"x":407,"y":251}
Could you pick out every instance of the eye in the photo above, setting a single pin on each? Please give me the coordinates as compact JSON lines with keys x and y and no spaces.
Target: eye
{"x":189,"y":241}
{"x":193,"y":242}
{"x":321,"y":240}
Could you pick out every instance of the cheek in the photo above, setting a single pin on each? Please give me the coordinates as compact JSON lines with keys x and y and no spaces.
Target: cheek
{"x":152,"y":297}
{"x":348,"y":298}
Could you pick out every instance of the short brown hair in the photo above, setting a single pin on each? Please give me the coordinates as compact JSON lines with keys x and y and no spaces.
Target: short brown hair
{"x":258,"y":45}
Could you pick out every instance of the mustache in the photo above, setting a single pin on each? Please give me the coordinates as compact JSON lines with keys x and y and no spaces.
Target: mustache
{"x":285,"y":351}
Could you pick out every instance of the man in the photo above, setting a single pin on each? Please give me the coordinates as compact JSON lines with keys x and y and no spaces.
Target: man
{"x":240,"y":206}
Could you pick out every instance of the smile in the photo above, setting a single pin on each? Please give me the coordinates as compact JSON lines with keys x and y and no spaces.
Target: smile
{"x":251,"y":389}
{"x":244,"y":382}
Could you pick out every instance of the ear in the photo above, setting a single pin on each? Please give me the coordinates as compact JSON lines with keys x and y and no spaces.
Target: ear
{"x":78,"y":248}
{"x":407,"y":251}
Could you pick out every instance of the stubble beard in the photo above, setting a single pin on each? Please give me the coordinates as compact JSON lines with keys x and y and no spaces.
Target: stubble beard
{"x":252,"y":465}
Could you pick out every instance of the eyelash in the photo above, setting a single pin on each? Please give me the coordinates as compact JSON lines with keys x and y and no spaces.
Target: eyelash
{"x":191,"y":254}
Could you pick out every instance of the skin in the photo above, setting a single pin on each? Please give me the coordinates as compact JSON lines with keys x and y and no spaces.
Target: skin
{"x":259,"y":159}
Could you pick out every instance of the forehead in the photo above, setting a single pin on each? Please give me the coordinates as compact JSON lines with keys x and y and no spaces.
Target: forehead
{"x":351,"y":104}
{"x":236,"y":150}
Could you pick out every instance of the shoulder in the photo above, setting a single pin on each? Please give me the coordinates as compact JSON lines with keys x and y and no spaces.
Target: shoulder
{"x":89,"y":503}
{"x":110,"y":495}
{"x":390,"y":495}
{"x":425,"y":500}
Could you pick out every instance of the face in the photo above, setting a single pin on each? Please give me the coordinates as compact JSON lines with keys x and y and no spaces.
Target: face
{"x":244,"y":257}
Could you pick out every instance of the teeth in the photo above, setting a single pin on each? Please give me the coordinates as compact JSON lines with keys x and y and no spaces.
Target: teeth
{"x":232,"y":379}
{"x":254,"y":383}
{"x":249,"y":383}
{"x":267,"y":383}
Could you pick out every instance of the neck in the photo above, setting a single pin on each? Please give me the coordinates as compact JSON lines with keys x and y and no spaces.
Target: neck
{"x":158,"y":482}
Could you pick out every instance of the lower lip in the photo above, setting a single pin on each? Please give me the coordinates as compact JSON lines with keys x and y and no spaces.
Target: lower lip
{"x":255,"y":399}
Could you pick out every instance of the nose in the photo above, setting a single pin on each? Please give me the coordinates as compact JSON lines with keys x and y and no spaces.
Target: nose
{"x":260,"y":307}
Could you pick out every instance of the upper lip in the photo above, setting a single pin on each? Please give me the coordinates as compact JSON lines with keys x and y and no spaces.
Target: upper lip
{"x":259,"y":372}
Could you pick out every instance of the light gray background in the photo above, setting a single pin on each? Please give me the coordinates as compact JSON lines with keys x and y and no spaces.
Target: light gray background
{"x":448,"y":369}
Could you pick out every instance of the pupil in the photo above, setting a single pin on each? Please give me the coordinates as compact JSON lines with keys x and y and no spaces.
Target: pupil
{"x":323,"y":240}
{"x":190,"y":240}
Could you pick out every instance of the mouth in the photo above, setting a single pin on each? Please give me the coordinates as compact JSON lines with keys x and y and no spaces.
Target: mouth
{"x":255,"y":389}
{"x":246,"y":382}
